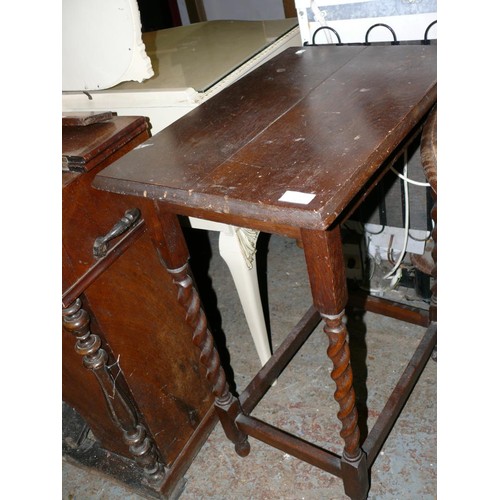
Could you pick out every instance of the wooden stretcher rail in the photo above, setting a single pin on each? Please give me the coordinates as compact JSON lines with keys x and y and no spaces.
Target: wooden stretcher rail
{"x":290,"y":444}
{"x":400,"y":395}
{"x":390,"y":308}
{"x":259,"y":385}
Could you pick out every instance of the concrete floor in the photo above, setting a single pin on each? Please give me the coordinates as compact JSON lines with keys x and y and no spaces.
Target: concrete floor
{"x":302,"y":402}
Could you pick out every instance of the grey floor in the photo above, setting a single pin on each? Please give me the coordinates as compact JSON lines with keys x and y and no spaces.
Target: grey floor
{"x":302,"y":403}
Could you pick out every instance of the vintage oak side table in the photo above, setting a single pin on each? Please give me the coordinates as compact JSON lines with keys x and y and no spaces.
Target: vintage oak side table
{"x":292,"y":148}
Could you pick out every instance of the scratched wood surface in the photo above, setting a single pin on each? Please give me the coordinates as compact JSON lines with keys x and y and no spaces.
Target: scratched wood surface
{"x":316,"y":120}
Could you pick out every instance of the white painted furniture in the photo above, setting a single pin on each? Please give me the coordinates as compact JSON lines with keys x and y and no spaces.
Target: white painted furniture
{"x":182,"y":67}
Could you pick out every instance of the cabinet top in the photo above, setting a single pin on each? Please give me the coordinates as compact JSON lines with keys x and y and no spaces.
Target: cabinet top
{"x":89,"y":139}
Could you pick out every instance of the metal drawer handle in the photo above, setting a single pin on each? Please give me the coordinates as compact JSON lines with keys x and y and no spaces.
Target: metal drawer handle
{"x":130,"y":217}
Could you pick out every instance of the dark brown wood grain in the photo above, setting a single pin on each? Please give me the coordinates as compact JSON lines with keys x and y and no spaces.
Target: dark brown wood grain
{"x":404,"y":312}
{"x":133,"y":308}
{"x":317,"y":120}
{"x":84,"y":118}
{"x":85,"y":147}
{"x":325,"y":266}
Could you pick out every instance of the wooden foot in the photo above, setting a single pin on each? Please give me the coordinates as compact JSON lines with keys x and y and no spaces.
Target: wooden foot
{"x":355,"y":476}
{"x":228,"y":412}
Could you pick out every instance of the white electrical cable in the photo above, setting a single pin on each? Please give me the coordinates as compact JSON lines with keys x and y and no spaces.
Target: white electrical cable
{"x":395,"y":274}
{"x":411,"y":181}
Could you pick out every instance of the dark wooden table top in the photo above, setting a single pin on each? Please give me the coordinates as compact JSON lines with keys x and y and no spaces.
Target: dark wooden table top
{"x":289,"y":145}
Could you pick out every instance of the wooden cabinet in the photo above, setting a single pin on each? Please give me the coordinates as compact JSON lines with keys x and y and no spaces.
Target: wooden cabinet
{"x":141,"y":390}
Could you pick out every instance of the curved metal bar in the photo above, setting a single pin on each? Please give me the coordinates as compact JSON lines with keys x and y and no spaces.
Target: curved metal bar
{"x":329,"y":28}
{"x":395,"y":42}
{"x":426,"y":40}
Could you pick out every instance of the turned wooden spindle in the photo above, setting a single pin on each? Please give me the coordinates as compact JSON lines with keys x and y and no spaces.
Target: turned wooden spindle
{"x":339,"y":353}
{"x":76,"y":321}
{"x":228,"y":407}
{"x":168,"y":238}
{"x":329,"y":290}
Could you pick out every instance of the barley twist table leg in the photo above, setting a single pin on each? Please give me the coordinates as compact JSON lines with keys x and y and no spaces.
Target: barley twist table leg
{"x":325,"y":265}
{"x":168,"y":238}
{"x":338,"y":352}
{"x":354,"y":466}
{"x":227,"y":405}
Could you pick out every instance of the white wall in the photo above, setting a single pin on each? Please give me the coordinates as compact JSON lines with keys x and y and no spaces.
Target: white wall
{"x":248,"y":10}
{"x":181,"y":4}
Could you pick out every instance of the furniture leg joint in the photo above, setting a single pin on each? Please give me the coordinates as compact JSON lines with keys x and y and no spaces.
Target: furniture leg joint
{"x":355,"y":475}
{"x":228,"y":412}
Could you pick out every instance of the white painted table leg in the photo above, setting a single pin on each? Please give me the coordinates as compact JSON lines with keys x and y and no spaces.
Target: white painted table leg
{"x":237,"y":248}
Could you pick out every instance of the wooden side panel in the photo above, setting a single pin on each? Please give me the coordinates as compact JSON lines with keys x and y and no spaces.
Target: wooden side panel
{"x":134,"y":309}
